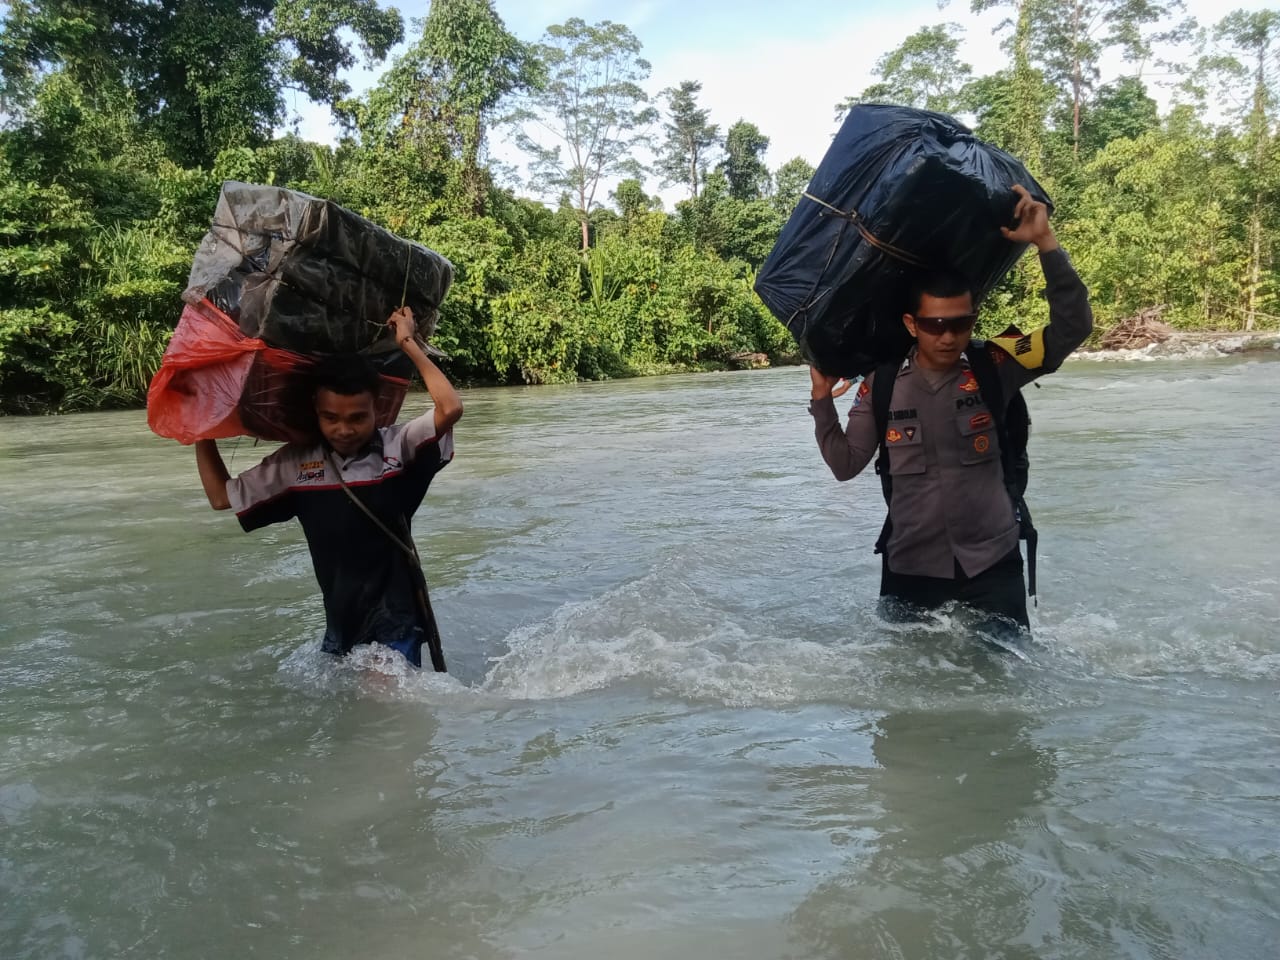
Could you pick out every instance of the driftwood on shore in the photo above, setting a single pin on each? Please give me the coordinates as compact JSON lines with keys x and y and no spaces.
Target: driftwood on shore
{"x":1146,"y":328}
{"x":749,"y":361}
{"x":1141,"y":330}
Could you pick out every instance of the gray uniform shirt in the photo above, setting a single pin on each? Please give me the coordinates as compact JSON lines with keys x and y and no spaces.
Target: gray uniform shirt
{"x":949,"y":502}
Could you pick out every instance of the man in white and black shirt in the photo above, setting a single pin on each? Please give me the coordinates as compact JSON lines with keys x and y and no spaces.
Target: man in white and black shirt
{"x":367,"y":580}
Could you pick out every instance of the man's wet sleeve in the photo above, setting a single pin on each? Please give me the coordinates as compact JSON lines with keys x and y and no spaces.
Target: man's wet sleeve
{"x":1070,"y":323}
{"x":263,"y":495}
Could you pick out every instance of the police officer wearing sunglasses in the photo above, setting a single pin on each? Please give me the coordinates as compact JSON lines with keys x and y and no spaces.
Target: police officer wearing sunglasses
{"x":953,"y":533}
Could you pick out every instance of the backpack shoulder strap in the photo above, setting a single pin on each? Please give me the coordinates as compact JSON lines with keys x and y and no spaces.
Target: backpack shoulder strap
{"x":988,"y":377}
{"x":1013,"y":425}
{"x":883,"y":379}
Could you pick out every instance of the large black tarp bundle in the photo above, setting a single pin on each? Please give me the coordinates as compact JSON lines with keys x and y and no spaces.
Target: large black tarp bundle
{"x":899,"y":193}
{"x":307,"y":275}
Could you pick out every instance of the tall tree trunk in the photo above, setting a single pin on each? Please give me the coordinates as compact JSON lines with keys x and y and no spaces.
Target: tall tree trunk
{"x":1261,"y":135}
{"x":1027,"y":135}
{"x":473,"y":178}
{"x":1255,"y":262}
{"x":1077,"y":81}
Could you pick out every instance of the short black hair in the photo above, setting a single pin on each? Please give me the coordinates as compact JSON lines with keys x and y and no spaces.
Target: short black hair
{"x":938,"y":283}
{"x":346,"y":375}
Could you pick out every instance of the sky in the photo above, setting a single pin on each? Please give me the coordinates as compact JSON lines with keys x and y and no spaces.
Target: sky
{"x":781,"y":64}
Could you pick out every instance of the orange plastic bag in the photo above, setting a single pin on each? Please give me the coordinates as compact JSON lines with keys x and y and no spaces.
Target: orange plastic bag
{"x":215,"y":382}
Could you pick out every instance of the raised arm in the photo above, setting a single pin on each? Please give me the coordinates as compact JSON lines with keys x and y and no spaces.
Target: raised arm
{"x":213,"y":474}
{"x":1070,"y":316}
{"x":846,"y":451}
{"x":448,"y":405}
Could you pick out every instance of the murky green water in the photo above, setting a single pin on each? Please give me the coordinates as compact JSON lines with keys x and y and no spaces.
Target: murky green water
{"x":675,"y":725}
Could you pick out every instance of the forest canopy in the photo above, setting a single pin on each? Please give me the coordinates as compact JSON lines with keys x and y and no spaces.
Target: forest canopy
{"x":121,"y":118}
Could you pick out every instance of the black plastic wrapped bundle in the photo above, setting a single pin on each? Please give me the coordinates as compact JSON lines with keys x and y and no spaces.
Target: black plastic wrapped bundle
{"x":307,"y":275}
{"x":900,"y":192}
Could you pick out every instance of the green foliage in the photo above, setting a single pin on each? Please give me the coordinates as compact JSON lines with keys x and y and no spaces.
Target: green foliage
{"x":42,"y":229}
{"x":1118,"y":111}
{"x":128,"y":305}
{"x":1155,"y":229}
{"x":925,"y":71}
{"x":125,"y":115}
{"x":203,"y":74}
{"x":594,"y":107}
{"x":743,"y":166}
{"x":690,"y":138}
{"x":790,"y":181}
{"x":482,"y":254}
{"x":631,"y":199}
{"x":39,"y":359}
{"x":1070,"y":38}
{"x":444,"y":94}
{"x":730,"y":227}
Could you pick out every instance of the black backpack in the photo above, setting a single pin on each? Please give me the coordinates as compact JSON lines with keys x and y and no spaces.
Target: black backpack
{"x":1013,"y":429}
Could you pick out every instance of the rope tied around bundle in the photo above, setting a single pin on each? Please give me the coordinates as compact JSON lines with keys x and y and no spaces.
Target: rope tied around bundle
{"x":856,"y":219}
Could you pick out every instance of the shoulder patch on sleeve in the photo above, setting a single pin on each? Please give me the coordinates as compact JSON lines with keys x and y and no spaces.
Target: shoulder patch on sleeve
{"x":1026,"y":348}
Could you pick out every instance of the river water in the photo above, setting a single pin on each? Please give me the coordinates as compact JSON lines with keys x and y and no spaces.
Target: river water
{"x":675,"y":725}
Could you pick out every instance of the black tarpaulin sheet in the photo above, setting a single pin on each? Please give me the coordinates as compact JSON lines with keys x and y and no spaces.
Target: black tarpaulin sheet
{"x":304,"y":274}
{"x":900,"y":192}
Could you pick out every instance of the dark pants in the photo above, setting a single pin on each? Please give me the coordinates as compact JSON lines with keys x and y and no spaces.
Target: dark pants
{"x":998,"y":590}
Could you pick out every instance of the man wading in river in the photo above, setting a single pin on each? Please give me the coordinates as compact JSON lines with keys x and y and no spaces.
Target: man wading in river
{"x":354,"y":492}
{"x":953,"y":528}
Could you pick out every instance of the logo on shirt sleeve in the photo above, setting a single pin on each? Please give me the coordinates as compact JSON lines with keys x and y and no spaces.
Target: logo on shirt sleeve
{"x":1026,"y":348}
{"x":310,"y":470}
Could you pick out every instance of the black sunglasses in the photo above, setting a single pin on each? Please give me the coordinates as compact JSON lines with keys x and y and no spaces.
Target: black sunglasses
{"x":937,"y":326}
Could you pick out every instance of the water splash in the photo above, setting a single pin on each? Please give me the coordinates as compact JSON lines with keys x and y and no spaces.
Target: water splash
{"x":1180,"y":350}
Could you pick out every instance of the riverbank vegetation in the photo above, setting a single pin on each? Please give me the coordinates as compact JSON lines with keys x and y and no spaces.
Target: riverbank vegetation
{"x":121,"y":119}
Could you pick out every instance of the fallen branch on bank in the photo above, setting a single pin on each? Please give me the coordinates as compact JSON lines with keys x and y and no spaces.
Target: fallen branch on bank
{"x":1141,"y":330}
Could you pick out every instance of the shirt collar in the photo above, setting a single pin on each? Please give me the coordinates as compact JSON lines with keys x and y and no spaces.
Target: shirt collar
{"x":374,"y":446}
{"x":908,"y":362}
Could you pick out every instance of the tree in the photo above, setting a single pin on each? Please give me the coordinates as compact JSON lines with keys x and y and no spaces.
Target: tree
{"x":1005,"y":103}
{"x":457,"y":76}
{"x":591,"y":105}
{"x":631,"y":199}
{"x":1015,"y":99}
{"x":1130,"y":237}
{"x":743,"y":165}
{"x":924,"y":71}
{"x":690,"y":138}
{"x":790,"y":182}
{"x":205,"y":74}
{"x":1254,"y":35}
{"x":1072,"y":36}
{"x":1119,"y":110}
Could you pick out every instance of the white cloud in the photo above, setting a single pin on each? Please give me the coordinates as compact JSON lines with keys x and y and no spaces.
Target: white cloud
{"x":790,"y":91}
